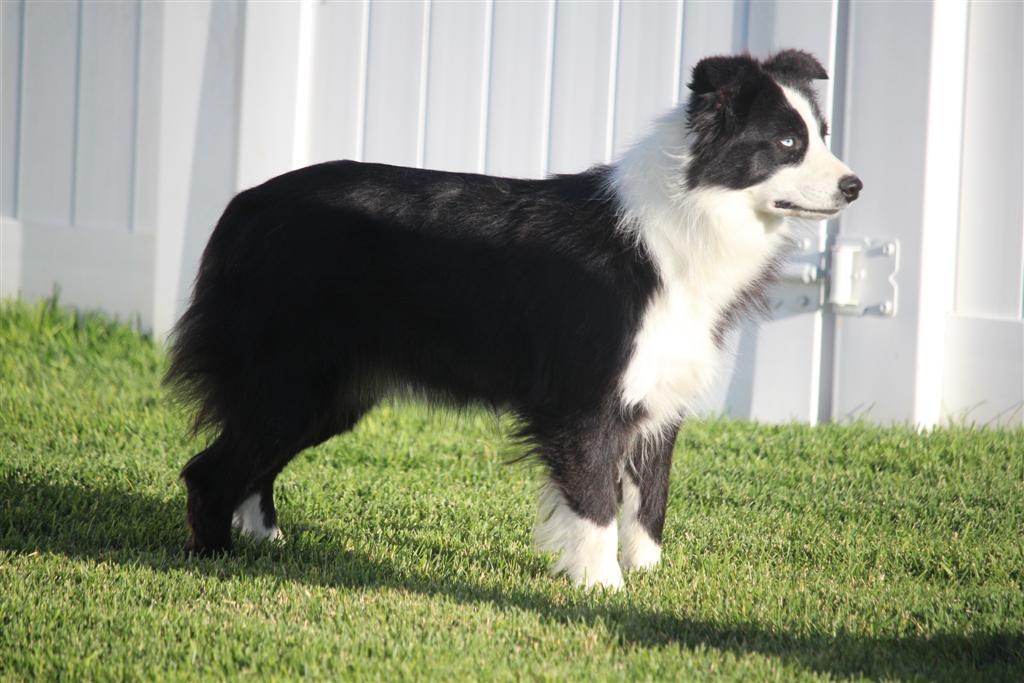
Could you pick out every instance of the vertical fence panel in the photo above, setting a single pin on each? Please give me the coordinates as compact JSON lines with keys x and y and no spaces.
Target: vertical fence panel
{"x":339,"y":71}
{"x":48,"y":111}
{"x":394,"y":81}
{"x":875,"y":356}
{"x":581,"y":82}
{"x":711,"y":27}
{"x":270,"y":75}
{"x":458,"y":62}
{"x":908,"y":156}
{"x":983,"y":377}
{"x":199,"y":64}
{"x":517,"y":109}
{"x":106,"y":115}
{"x":520,"y":89}
{"x":989,"y":264}
{"x":647,"y":74}
{"x":145,"y":193}
{"x":10,"y":85}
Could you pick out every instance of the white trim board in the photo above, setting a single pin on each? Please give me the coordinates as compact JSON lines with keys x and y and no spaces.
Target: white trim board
{"x":95,"y":268}
{"x":983,"y":381}
{"x":10,"y":257}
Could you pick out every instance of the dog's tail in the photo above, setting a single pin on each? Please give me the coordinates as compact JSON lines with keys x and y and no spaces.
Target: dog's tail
{"x":196,"y":356}
{"x":205,"y":368}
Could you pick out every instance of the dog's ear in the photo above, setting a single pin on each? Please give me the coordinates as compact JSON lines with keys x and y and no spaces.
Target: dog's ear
{"x":724,"y":86}
{"x":715,"y":73}
{"x":795,"y":65}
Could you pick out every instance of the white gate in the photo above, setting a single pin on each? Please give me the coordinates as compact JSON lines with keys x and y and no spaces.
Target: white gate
{"x":126,"y":127}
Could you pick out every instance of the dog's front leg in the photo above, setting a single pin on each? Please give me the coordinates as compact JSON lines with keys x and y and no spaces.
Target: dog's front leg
{"x":577,"y":513}
{"x":644,"y":497}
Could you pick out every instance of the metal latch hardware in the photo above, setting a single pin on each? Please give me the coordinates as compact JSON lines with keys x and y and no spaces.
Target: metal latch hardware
{"x":856,"y":276}
{"x":863,"y":276}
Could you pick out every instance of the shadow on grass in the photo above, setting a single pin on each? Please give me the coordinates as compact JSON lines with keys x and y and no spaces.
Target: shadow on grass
{"x":124,"y":527}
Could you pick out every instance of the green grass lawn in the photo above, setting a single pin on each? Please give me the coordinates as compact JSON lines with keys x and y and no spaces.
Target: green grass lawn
{"x":836,"y":552}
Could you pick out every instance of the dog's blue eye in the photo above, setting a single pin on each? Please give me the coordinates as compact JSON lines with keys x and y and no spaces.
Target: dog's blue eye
{"x":787,"y":142}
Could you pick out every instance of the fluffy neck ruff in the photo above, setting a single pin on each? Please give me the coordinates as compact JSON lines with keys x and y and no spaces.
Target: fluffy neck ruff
{"x":708,"y":245}
{"x":707,"y":238}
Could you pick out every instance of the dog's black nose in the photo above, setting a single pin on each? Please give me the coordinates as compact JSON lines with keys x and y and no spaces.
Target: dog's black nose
{"x":850,"y":186}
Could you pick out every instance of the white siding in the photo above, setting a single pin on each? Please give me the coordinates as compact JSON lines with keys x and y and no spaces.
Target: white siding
{"x":48,"y":110}
{"x":126,"y":126}
{"x":269,"y":89}
{"x":585,"y":46}
{"x":983,"y":382}
{"x":983,"y":378}
{"x":875,"y":377}
{"x":518,"y":111}
{"x":395,"y":82}
{"x":648,"y":69}
{"x":200,"y":65}
{"x":458,"y":67}
{"x":339,"y":64}
{"x":711,"y":27}
{"x":991,"y":243}
{"x":10,"y":86}
{"x":105,"y":130}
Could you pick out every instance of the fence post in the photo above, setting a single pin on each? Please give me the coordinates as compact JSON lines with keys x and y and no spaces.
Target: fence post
{"x":903,"y":136}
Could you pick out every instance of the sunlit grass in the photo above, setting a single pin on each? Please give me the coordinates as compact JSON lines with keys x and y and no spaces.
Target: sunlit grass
{"x":827,"y":553}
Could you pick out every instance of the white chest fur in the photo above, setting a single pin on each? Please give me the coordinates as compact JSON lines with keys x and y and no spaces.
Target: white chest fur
{"x":708,"y":245}
{"x":674,"y":355}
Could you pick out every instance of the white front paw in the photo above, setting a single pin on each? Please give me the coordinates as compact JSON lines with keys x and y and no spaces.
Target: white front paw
{"x":604,"y":575}
{"x":586,"y":551}
{"x":640,"y":552}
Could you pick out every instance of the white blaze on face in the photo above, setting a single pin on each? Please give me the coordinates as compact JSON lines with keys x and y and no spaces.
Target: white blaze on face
{"x":813,"y":184}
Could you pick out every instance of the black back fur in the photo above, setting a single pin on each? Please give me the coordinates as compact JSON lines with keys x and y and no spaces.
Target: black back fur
{"x":325,"y":287}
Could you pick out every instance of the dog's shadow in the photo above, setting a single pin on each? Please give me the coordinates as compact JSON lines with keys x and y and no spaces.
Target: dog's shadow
{"x":132,"y":528}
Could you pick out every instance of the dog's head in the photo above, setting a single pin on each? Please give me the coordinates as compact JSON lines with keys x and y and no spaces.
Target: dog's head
{"x":756,"y":126}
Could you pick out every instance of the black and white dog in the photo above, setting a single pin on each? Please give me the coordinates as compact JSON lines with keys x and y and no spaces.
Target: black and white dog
{"x":592,"y":306}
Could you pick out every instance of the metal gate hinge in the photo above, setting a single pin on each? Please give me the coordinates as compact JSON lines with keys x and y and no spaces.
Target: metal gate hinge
{"x":855,"y":276}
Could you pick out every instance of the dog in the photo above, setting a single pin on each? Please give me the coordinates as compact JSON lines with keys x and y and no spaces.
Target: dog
{"x":592,"y":306}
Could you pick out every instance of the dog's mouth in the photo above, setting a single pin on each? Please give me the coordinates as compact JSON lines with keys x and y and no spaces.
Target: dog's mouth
{"x":790,"y":206}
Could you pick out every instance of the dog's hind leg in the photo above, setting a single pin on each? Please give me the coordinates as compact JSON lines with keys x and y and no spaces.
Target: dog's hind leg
{"x":256,"y":516}
{"x":216,"y":480}
{"x":644,"y":497}
{"x":577,"y":512}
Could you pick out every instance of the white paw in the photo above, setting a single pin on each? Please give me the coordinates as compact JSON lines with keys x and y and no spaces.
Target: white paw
{"x":639,"y":550}
{"x":248,"y":519}
{"x":586,"y":551}
{"x":606,"y":575}
{"x":263,"y":534}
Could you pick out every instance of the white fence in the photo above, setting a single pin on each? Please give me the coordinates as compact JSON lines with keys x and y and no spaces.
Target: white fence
{"x":127,"y":126}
